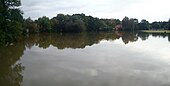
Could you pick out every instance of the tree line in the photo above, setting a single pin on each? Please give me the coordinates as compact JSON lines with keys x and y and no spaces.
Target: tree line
{"x":134,"y":24}
{"x":13,"y":25}
{"x":81,"y":22}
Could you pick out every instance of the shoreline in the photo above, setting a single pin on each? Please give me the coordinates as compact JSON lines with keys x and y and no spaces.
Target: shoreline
{"x":155,"y":31}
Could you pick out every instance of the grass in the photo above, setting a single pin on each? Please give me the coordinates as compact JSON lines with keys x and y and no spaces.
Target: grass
{"x":155,"y":31}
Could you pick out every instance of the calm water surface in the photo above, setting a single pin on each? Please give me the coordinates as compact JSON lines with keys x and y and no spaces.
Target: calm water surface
{"x":87,"y":59}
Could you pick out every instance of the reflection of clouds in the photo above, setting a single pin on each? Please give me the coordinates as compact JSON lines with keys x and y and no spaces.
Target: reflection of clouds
{"x":87,"y":71}
{"x":159,"y":47}
{"x":108,"y":63}
{"x":92,"y":72}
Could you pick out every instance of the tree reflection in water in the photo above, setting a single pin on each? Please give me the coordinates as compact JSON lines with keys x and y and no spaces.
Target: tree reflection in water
{"x":81,"y":40}
{"x":11,"y":69}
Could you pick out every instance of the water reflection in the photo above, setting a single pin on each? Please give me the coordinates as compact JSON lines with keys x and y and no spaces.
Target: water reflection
{"x":81,"y":40}
{"x":77,"y":65}
{"x":67,"y":40}
{"x":10,"y":69}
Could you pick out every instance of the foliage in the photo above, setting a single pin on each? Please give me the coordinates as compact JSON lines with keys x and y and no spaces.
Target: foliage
{"x":10,"y":20}
{"x":126,"y":23}
{"x":30,"y":26}
{"x":72,"y":23}
{"x":12,"y":23}
{"x":129,"y":24}
{"x":156,"y":25}
{"x":44,"y":24}
{"x":143,"y":25}
{"x":11,"y":73}
{"x":169,"y":24}
{"x":81,"y":23}
{"x":132,"y":24}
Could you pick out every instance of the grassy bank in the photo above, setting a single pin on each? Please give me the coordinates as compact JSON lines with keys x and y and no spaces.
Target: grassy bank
{"x":155,"y":31}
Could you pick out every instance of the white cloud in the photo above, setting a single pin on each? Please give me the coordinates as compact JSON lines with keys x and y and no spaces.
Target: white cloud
{"x":152,"y":10}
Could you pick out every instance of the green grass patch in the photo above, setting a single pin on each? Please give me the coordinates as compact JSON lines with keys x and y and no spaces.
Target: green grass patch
{"x":155,"y":31}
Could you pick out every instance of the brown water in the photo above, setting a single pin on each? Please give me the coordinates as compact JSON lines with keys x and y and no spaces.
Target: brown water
{"x":87,"y":59}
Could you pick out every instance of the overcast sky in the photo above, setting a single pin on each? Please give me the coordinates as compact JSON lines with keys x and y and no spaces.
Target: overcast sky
{"x":151,"y":10}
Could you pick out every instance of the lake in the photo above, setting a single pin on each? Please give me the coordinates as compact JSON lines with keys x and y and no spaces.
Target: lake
{"x":87,"y":59}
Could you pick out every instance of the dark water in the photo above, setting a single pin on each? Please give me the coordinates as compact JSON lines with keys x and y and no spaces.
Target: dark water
{"x":87,"y":59}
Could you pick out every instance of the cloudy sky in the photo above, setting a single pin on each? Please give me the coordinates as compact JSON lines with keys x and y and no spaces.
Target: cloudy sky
{"x":152,"y":10}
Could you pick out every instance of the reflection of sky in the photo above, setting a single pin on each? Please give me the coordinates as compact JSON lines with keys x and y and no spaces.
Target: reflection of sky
{"x":109,"y":63}
{"x":152,"y":10}
{"x":160,"y":49}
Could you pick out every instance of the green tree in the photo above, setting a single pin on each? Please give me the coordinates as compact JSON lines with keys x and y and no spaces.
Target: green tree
{"x":133,"y":23}
{"x":111,"y":23}
{"x":169,"y":24}
{"x":10,"y":20}
{"x":54,"y":23}
{"x":130,"y":24}
{"x":164,"y":25}
{"x":143,"y":25}
{"x":126,"y":23}
{"x":30,"y":26}
{"x":75,"y":25}
{"x":62,"y":19}
{"x":44,"y":24}
{"x":156,"y":25}
{"x":117,"y":21}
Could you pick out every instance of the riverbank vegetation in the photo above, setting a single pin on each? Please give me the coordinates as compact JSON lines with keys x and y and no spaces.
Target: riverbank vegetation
{"x":81,"y":22}
{"x":13,"y":25}
{"x":11,"y":20}
{"x":69,"y":23}
{"x":156,"y":31}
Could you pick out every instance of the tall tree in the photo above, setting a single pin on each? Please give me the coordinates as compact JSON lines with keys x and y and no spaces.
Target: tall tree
{"x":156,"y":25}
{"x":126,"y":23}
{"x":30,"y":26}
{"x":144,"y":25}
{"x":133,"y":23}
{"x":10,"y":20}
{"x":169,"y":24}
{"x":44,"y":23}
